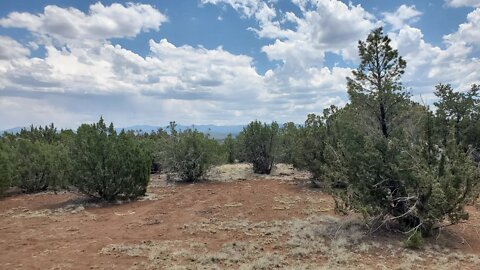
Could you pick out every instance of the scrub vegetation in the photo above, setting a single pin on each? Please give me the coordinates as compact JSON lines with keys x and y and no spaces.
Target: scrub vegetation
{"x":398,"y":166}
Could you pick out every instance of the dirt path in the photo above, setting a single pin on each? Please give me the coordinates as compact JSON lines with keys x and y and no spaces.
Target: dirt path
{"x":252,"y":224}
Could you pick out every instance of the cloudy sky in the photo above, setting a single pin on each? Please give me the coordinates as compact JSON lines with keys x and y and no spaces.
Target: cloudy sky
{"x":215,"y":61}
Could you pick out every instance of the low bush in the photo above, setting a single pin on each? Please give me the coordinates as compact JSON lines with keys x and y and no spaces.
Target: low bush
{"x":5,"y":167}
{"x":39,"y":165}
{"x":190,"y":153}
{"x":110,"y":165}
{"x":229,"y":145}
{"x":259,"y":145}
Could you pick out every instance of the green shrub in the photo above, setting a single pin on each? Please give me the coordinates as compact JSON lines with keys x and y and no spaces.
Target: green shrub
{"x":288,"y":144}
{"x":313,"y":148}
{"x":414,"y":240}
{"x":190,"y":153}
{"x":259,"y":143}
{"x":397,"y":165}
{"x":40,"y":165}
{"x":229,"y":145}
{"x":311,"y":145}
{"x":39,"y":159}
{"x":110,"y":165}
{"x":5,"y":167}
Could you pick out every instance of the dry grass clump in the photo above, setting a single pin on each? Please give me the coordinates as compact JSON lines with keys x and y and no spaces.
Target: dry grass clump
{"x":22,"y":212}
{"x":267,"y":245}
{"x":316,"y":242}
{"x":265,"y":262}
{"x":129,"y":250}
{"x":244,"y":171}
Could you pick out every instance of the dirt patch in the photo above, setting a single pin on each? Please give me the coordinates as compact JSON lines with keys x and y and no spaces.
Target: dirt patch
{"x":244,"y":171}
{"x":264,"y":223}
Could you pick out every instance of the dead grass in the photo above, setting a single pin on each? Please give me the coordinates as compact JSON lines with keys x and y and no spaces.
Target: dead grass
{"x":316,"y":242}
{"x":206,"y":227}
{"x":23,"y":212}
{"x":244,"y":171}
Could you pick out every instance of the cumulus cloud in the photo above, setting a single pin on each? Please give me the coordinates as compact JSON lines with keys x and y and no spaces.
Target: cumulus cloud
{"x":246,"y":7}
{"x":428,"y":65}
{"x":183,"y":83}
{"x":302,"y":83}
{"x":468,"y":32}
{"x":83,"y":74}
{"x":300,"y":42}
{"x":454,"y":63}
{"x":168,"y":72}
{"x":402,"y":16}
{"x":463,"y":3}
{"x":70,"y":25}
{"x":332,"y":26}
{"x":11,"y":49}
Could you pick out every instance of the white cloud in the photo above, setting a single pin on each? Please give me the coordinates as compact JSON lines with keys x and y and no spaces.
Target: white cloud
{"x":302,"y":84}
{"x":463,"y":3}
{"x":246,"y":7}
{"x":169,"y":72}
{"x":455,"y":63}
{"x":402,"y":16}
{"x":187,"y":84}
{"x":323,"y":25}
{"x":84,"y":75}
{"x":468,"y":32}
{"x":197,"y":73}
{"x":428,"y":65}
{"x":11,"y":49}
{"x":70,"y":25}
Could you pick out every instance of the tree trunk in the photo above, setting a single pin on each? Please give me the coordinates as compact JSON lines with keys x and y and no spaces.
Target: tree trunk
{"x":383,"y":121}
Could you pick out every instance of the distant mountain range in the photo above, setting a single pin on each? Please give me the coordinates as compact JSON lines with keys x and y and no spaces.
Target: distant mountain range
{"x":217,"y":132}
{"x":11,"y":130}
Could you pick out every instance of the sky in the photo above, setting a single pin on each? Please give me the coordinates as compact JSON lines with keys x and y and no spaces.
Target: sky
{"x":222,"y":62}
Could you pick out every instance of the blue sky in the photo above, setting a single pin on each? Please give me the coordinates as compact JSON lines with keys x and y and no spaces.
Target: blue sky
{"x":215,"y":61}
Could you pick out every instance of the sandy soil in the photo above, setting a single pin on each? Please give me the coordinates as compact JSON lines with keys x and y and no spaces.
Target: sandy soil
{"x":237,"y":220}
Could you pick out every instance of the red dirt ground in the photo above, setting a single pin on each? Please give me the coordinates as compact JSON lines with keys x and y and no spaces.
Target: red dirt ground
{"x":42,"y":231}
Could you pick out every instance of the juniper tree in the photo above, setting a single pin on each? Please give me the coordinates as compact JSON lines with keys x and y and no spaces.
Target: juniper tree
{"x":389,"y":152}
{"x":288,"y":139}
{"x":110,"y":165}
{"x":459,"y":111}
{"x":376,"y":83}
{"x":229,"y":145}
{"x":39,"y":159}
{"x":259,"y":143}
{"x":5,"y":166}
{"x":40,"y":165}
{"x":189,"y":153}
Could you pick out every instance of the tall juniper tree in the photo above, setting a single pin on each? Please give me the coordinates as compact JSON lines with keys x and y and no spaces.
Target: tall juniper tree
{"x":376,"y":82}
{"x":394,"y":166}
{"x":459,"y":111}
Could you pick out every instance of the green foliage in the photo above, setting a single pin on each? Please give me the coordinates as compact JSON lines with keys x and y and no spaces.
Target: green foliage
{"x":5,"y":166}
{"x":414,"y":240}
{"x":314,"y":148}
{"x":230,"y":148}
{"x":110,"y":165}
{"x":47,"y":134}
{"x":39,"y":165}
{"x":287,"y":146}
{"x":155,"y":143}
{"x":259,"y":145}
{"x":459,"y":111}
{"x":312,"y":145}
{"x":396,"y":165}
{"x":38,"y":159}
{"x":190,"y":153}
